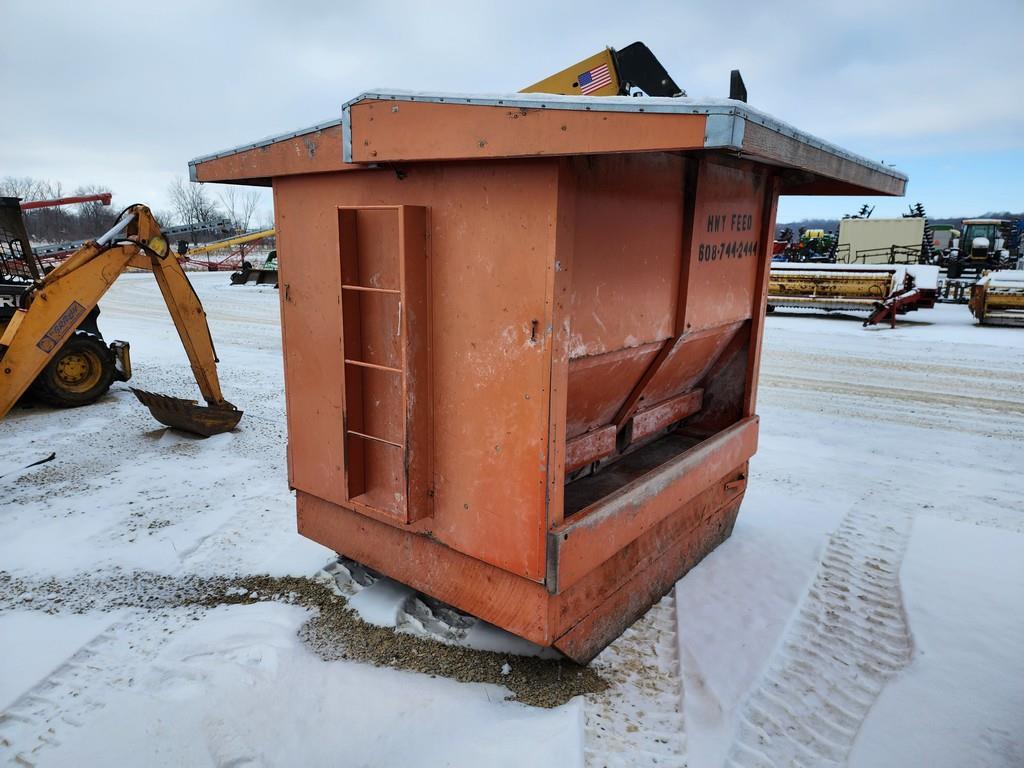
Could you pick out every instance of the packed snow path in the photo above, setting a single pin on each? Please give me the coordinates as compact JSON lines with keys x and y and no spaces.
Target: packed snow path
{"x":886,"y":470}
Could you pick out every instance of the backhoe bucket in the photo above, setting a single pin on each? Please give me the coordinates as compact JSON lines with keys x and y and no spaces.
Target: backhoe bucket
{"x":188,"y":415}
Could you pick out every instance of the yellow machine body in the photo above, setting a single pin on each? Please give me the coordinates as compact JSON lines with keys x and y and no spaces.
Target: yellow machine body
{"x":822,"y":288}
{"x":567,"y":82}
{"x":61,"y":300}
{"x":615,"y":72}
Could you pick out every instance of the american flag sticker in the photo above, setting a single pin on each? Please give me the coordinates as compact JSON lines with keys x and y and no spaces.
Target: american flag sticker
{"x":596,"y":78}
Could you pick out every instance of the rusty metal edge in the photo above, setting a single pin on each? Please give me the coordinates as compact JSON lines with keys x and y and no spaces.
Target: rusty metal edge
{"x":265,"y":142}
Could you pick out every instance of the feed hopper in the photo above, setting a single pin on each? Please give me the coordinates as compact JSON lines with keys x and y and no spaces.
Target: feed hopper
{"x":521,"y":338}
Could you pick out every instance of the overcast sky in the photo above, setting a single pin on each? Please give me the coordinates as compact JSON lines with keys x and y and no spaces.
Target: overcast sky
{"x":124,"y":94}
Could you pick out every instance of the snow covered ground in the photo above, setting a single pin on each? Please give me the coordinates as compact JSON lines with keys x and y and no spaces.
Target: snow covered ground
{"x":868,"y":609}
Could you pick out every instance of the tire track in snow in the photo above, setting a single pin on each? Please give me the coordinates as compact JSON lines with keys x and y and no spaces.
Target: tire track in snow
{"x":903,"y":396}
{"x":888,"y":366}
{"x":985,"y":417}
{"x":849,"y":635}
{"x":80,"y":686}
{"x":638,"y":721}
{"x":949,"y":387}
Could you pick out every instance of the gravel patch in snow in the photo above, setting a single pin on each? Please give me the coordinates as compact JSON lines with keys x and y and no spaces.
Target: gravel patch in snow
{"x":335,"y":632}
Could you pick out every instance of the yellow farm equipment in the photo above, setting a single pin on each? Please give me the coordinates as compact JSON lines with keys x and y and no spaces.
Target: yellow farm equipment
{"x":883,"y":291}
{"x":998,"y":298}
{"x":230,"y":242}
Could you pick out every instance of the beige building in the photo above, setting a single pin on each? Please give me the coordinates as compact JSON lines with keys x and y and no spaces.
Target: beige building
{"x":880,"y":241}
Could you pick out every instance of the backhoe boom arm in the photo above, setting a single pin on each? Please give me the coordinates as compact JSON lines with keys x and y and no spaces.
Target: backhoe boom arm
{"x":64,"y":297}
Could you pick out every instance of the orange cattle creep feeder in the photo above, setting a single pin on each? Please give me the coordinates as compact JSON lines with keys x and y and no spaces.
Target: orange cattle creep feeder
{"x":522,"y":335}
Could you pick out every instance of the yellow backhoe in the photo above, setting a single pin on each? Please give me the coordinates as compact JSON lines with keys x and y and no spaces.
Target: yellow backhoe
{"x":50,"y":342}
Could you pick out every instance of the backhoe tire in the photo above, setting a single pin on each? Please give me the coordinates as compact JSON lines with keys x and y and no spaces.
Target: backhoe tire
{"x":79,"y":374}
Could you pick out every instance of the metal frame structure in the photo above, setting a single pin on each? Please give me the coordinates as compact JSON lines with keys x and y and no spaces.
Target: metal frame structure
{"x":522,"y":338}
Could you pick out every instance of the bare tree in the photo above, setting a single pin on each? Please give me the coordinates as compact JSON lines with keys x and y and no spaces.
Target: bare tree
{"x":44,"y":224}
{"x":164,"y":218}
{"x":24,"y":187}
{"x":192,"y":204}
{"x":63,"y":223}
{"x":240,"y":206}
{"x":94,"y":217}
{"x":49,"y":190}
{"x":266,"y":220}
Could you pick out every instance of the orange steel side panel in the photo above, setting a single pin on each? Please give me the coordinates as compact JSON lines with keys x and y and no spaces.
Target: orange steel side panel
{"x":625,"y":277}
{"x":388,"y":131}
{"x":686,"y":365}
{"x":646,"y":569}
{"x":314,"y":152}
{"x":727,"y":244}
{"x":598,"y":385}
{"x":492,"y":250}
{"x":311,"y":335}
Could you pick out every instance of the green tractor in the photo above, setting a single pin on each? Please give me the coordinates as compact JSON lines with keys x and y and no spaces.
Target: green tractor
{"x":981,"y":246}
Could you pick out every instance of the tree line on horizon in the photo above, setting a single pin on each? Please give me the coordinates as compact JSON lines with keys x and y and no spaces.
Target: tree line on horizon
{"x":190,"y":205}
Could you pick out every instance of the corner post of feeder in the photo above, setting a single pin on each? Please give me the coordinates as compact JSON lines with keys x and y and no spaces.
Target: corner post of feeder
{"x":557,"y":334}
{"x":768,"y":212}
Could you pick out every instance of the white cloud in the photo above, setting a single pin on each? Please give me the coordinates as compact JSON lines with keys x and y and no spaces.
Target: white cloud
{"x":126,"y":94}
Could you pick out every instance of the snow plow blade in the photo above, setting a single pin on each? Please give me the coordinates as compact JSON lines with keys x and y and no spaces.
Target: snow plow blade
{"x":188,"y":415}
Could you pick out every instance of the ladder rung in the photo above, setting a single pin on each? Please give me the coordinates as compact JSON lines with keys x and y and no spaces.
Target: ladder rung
{"x":375,"y":439}
{"x":376,"y":367}
{"x":368,"y":289}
